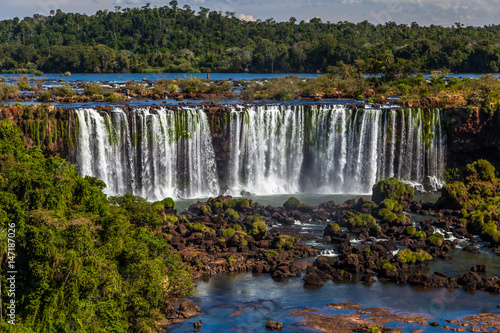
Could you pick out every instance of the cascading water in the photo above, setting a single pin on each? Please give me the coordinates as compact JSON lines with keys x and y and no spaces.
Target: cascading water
{"x":271,"y":150}
{"x":332,"y":149}
{"x":154,"y":155}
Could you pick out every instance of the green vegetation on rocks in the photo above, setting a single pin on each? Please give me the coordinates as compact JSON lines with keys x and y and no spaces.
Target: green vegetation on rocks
{"x":392,"y":189}
{"x":407,"y":256}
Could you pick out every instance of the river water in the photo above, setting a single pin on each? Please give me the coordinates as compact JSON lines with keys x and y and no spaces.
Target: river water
{"x":243,"y":302}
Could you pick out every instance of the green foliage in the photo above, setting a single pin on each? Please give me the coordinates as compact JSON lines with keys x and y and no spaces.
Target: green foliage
{"x":93,"y":88}
{"x":410,"y":230}
{"x":479,"y":171}
{"x":115,"y":98}
{"x":8,"y":91}
{"x":293,"y":203}
{"x":64,"y":90}
{"x":229,"y":232}
{"x":256,"y":227}
{"x":374,"y":329}
{"x":335,"y":227}
{"x":285,"y":242}
{"x":407,"y":256}
{"x":363,"y":220}
{"x":436,"y":239}
{"x":137,"y":40}
{"x":230,"y":212}
{"x":87,"y":265}
{"x":392,"y":189}
{"x":168,"y":203}
{"x":206,"y":208}
{"x":420,"y":234}
{"x":386,"y":265}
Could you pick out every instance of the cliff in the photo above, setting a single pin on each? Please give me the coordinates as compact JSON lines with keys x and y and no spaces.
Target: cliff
{"x":472,"y":133}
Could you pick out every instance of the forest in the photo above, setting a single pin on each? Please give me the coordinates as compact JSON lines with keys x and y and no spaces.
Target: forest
{"x":173,"y":39}
{"x":85,"y":263}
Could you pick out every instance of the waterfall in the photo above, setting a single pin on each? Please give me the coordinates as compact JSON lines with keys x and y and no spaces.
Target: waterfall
{"x":272,"y":149}
{"x":152,"y":154}
{"x":333,"y":149}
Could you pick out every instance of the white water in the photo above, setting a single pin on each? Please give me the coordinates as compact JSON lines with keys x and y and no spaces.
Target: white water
{"x":157,"y":155}
{"x":331,"y":149}
{"x":272,"y":150}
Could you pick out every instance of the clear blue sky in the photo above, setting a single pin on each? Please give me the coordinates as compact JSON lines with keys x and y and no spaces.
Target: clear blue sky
{"x":424,"y":12}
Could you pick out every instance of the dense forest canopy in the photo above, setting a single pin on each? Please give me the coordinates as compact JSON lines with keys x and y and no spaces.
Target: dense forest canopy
{"x":86,"y":263}
{"x":173,"y":39}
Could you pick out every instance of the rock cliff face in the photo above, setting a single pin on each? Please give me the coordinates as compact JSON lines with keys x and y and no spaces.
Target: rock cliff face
{"x":472,"y":133}
{"x":45,"y":126}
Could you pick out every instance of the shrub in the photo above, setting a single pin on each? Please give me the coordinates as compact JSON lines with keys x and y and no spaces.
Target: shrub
{"x":407,"y":256}
{"x":410,"y":230}
{"x":480,"y":170}
{"x":168,"y":203}
{"x":115,"y":98}
{"x":285,"y":242}
{"x":293,"y":203}
{"x":363,"y":220}
{"x":257,"y":227}
{"x":230,"y":212}
{"x":453,"y":196}
{"x":392,"y":189}
{"x":335,"y":227}
{"x":64,"y":90}
{"x":8,"y":91}
{"x":436,"y":239}
{"x":229,"y":232}
{"x":93,"y":88}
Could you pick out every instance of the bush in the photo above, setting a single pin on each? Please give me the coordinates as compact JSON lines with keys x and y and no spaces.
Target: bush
{"x":406,"y":256}
{"x":168,"y":203}
{"x":8,"y":91}
{"x":410,"y":230}
{"x":115,"y":98}
{"x":480,"y":170}
{"x":64,"y":90}
{"x":392,"y":189}
{"x":293,"y":204}
{"x":230,"y":212}
{"x":285,"y":242}
{"x":256,"y":227}
{"x":363,"y":220}
{"x":436,"y":239}
{"x":93,"y":88}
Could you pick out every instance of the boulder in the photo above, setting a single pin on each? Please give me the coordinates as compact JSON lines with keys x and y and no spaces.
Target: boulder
{"x":274,"y":326}
{"x":189,"y":310}
{"x":313,"y":279}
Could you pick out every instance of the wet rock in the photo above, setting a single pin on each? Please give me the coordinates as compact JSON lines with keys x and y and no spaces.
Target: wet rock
{"x":433,"y":324}
{"x":313,"y":279}
{"x":479,"y":268}
{"x":189,"y":310}
{"x":274,"y":326}
{"x":472,"y":249}
{"x":368,"y":278}
{"x":198,"y":324}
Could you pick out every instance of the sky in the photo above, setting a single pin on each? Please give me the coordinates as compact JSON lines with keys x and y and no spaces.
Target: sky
{"x":424,"y":12}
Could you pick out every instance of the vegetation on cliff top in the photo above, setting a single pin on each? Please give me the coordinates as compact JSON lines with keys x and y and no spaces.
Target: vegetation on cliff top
{"x":84,"y":263}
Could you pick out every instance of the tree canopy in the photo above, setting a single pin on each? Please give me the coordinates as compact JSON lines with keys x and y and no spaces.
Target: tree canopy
{"x":84,"y":263}
{"x":172,"y":39}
